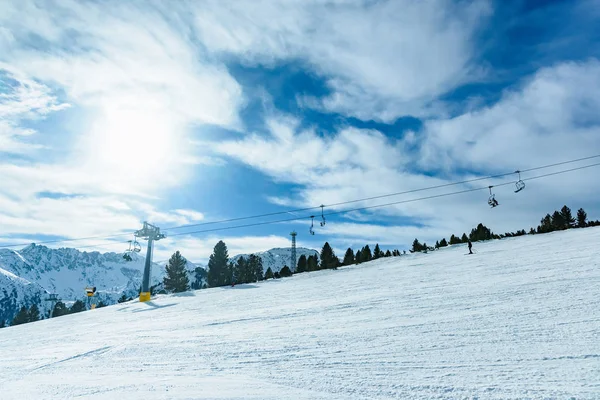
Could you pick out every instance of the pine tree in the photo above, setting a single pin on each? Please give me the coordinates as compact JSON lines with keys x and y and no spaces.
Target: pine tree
{"x":387,"y":253}
{"x":454,"y":240}
{"x":60,"y":309}
{"x":545,"y":224}
{"x":200,"y":275}
{"x":22,"y":317}
{"x":78,"y":306}
{"x":312,"y":263}
{"x":34,"y":313}
{"x":417,"y":246}
{"x":581,"y":218}
{"x":532,"y":231}
{"x":481,"y":233}
{"x":328,"y":257}
{"x":255,"y":268}
{"x":443,"y":243}
{"x":358,"y":257}
{"x":568,"y":219}
{"x":464,"y":238}
{"x":219,"y":271}
{"x":558,"y":221}
{"x":176,"y":279}
{"x":377,"y":253}
{"x":366,"y":254}
{"x":122,"y":299}
{"x":2,"y":323}
{"x":239,"y":271}
{"x":285,"y":272}
{"x":302,"y":264}
{"x":269,"y":273}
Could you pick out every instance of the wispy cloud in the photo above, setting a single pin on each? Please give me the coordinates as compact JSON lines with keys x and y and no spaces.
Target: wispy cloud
{"x":22,"y":99}
{"x":380,"y":59}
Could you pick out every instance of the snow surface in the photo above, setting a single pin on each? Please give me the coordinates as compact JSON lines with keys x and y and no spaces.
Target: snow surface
{"x":518,"y":319}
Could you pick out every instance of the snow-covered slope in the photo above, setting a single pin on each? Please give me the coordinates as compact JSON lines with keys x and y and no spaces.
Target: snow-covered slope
{"x":518,"y":319}
{"x":278,"y":257}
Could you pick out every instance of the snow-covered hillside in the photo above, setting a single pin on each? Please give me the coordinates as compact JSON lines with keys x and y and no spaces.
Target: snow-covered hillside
{"x":278,"y":257}
{"x":16,"y":292}
{"x":67,"y":272}
{"x":518,"y":319}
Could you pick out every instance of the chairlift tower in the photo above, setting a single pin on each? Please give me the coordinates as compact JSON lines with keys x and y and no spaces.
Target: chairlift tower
{"x":52,"y":298}
{"x":151,"y":233}
{"x":294,"y":265}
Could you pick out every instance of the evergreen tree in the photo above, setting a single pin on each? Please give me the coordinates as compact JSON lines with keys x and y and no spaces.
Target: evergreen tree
{"x":366,"y":254}
{"x":2,"y":323}
{"x":60,"y":309}
{"x":176,"y":279}
{"x":377,"y":253}
{"x":358,"y":257}
{"x":464,"y":238}
{"x":122,"y":299}
{"x":437,"y":244}
{"x":34,"y":313}
{"x":312,"y":263}
{"x":328,"y":257}
{"x":285,"y":272}
{"x":443,"y":243}
{"x":581,"y":218}
{"x":255,"y":268}
{"x":22,"y":317}
{"x":454,"y":240}
{"x":200,"y":275}
{"x":532,"y":231}
{"x":568,"y":219}
{"x":558,"y":221}
{"x":387,"y":253}
{"x":240,"y":271}
{"x":417,"y":246}
{"x":302,"y":264}
{"x":219,"y":271}
{"x":78,"y":306}
{"x":481,"y":233}
{"x":269,"y":273}
{"x":348,"y":257}
{"x":276,"y":275}
{"x":545,"y":224}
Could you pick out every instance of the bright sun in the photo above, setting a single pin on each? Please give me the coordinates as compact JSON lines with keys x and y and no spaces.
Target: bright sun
{"x":133,"y":145}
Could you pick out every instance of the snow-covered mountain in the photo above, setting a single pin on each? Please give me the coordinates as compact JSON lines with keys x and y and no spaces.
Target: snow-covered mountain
{"x":31,"y":274}
{"x":16,"y":292}
{"x":278,"y":257}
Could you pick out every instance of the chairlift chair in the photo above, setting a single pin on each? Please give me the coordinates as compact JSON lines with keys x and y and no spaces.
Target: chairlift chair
{"x":312,"y":221}
{"x":322,"y":216}
{"x":492,"y":201}
{"x":519,"y":185}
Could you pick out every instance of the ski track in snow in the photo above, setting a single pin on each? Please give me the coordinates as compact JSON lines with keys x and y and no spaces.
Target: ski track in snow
{"x":519,"y":319}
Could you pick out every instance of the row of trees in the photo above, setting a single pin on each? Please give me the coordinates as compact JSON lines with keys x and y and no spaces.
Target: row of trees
{"x":32,"y":313}
{"x":559,"y":220}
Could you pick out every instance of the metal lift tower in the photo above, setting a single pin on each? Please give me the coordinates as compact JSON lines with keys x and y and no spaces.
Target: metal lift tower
{"x":294,"y":264}
{"x":150,"y":233}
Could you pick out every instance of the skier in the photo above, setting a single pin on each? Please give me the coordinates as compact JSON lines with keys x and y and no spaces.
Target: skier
{"x":470,"y":246}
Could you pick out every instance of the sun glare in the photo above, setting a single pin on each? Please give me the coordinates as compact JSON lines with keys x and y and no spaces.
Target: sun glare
{"x":129,"y":145}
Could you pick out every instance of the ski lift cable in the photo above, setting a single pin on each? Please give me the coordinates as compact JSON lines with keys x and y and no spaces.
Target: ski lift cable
{"x":321,"y":206}
{"x":366,"y":207}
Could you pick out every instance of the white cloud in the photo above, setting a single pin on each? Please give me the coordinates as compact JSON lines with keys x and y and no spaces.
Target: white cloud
{"x":381,"y":59}
{"x":135,"y":76}
{"x":22,"y":99}
{"x":552,"y":117}
{"x":549,"y":119}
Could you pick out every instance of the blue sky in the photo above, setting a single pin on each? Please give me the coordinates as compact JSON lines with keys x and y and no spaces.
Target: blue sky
{"x":112,"y":113}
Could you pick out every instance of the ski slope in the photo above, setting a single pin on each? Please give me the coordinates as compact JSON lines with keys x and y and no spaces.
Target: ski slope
{"x":519,"y":319}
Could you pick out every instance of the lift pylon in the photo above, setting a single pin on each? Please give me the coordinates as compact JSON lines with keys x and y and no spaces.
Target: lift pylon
{"x":151,"y":233}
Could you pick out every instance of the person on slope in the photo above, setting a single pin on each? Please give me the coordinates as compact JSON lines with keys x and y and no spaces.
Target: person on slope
{"x":470,"y":246}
